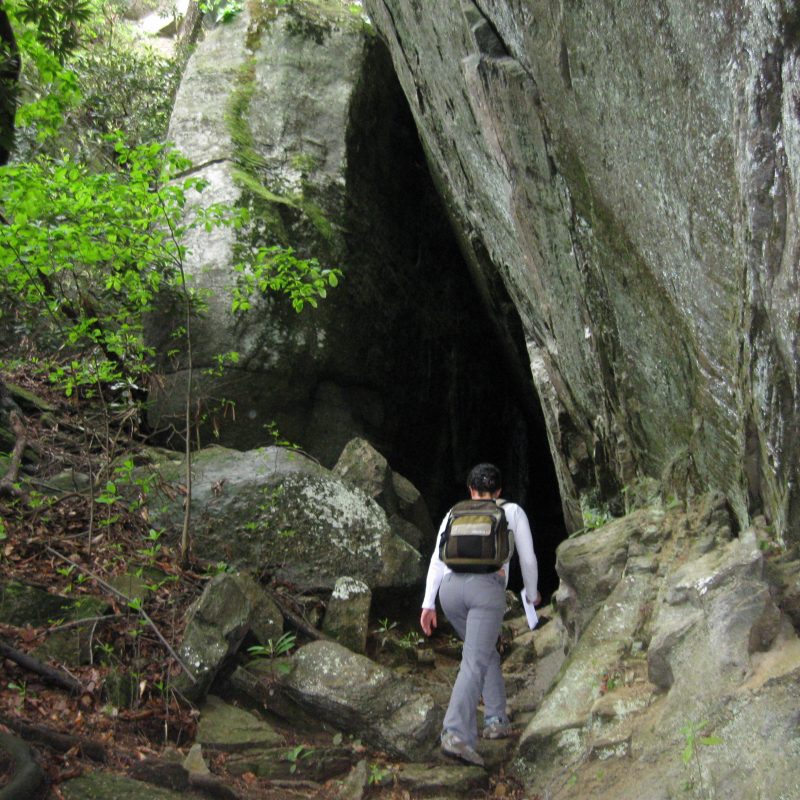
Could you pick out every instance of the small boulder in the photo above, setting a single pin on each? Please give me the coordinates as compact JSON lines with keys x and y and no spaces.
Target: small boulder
{"x":231,"y":606}
{"x":358,"y":696}
{"x":347,"y":614}
{"x":361,"y":464}
{"x":228,"y":728}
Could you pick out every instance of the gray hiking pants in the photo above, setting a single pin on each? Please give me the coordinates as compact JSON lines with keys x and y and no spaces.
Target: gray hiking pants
{"x":475,"y":605}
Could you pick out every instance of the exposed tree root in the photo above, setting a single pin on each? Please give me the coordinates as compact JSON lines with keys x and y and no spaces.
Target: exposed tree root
{"x":60,"y":742}
{"x":52,"y":675}
{"x":28,"y":775}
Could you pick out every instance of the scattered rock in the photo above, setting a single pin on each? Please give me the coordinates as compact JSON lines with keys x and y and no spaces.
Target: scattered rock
{"x":231,"y":606}
{"x":347,"y":614}
{"x":225,"y":727}
{"x":352,"y":693}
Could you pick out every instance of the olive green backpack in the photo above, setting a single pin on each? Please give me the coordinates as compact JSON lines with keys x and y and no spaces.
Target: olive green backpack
{"x":476,"y":537}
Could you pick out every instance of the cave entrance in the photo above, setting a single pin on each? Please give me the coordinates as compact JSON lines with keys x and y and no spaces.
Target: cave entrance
{"x":461,"y":389}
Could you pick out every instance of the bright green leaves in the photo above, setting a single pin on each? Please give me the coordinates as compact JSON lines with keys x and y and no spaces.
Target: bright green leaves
{"x":277,"y":269}
{"x":222,"y":10}
{"x":85,"y":254}
{"x":58,"y":23}
{"x":84,"y":73}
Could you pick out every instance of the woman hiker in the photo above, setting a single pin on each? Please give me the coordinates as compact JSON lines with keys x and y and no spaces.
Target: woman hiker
{"x":475,"y":604}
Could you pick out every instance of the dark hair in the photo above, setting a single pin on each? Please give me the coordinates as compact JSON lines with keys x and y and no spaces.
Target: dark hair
{"x":485,"y":478}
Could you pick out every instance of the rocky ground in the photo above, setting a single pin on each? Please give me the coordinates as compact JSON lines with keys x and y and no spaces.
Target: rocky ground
{"x":93,"y":614}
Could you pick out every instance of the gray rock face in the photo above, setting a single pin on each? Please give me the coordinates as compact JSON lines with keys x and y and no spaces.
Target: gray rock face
{"x":630,"y":173}
{"x":591,"y":565}
{"x":716,"y":612}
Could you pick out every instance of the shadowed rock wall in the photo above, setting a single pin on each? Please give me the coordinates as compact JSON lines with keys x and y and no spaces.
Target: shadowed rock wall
{"x":629,"y":171}
{"x":296,"y":113}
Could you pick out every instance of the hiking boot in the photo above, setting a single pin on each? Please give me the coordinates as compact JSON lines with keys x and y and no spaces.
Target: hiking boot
{"x":496,"y":728}
{"x":458,"y":748}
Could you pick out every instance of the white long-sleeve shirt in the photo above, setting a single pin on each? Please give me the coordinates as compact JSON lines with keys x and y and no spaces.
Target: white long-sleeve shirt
{"x":523,"y":545}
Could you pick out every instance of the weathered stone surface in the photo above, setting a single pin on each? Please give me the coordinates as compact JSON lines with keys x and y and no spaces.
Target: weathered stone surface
{"x":195,"y":763}
{"x":629,"y":173}
{"x":23,"y":777}
{"x":407,"y":532}
{"x":424,"y":780}
{"x":716,"y":612}
{"x":591,"y":565}
{"x":73,"y":646}
{"x":411,"y":506}
{"x":226,"y":727}
{"x":347,"y":614}
{"x":231,"y":606}
{"x":251,"y":744}
{"x":353,"y":786}
{"x":364,"y":466}
{"x":361,"y":464}
{"x":357,"y":696}
{"x":696,"y":644}
{"x":566,"y":710}
{"x":21,"y":604}
{"x":785,"y":577}
{"x":262,"y":112}
{"x":278,"y":512}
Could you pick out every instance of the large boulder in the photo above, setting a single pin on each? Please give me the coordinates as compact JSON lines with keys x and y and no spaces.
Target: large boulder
{"x":358,"y":696}
{"x":279,"y":513}
{"x":262,"y":111}
{"x":628,"y":172}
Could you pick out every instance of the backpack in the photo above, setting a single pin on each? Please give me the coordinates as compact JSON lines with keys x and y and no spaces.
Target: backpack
{"x":476,"y":537}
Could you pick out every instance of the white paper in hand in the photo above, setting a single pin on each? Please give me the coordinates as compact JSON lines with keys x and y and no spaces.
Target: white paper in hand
{"x":530,"y":610}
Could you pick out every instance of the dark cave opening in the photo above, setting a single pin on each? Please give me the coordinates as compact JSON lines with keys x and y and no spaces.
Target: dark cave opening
{"x":463,"y":390}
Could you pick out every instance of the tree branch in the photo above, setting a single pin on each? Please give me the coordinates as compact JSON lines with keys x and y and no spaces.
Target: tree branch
{"x":50,"y":674}
{"x":60,"y":742}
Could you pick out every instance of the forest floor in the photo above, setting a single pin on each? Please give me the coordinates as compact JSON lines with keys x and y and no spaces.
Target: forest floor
{"x":64,"y":544}
{"x":68,"y":546}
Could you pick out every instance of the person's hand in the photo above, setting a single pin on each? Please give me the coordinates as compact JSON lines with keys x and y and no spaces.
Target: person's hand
{"x":537,"y":601}
{"x":427,"y":620}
